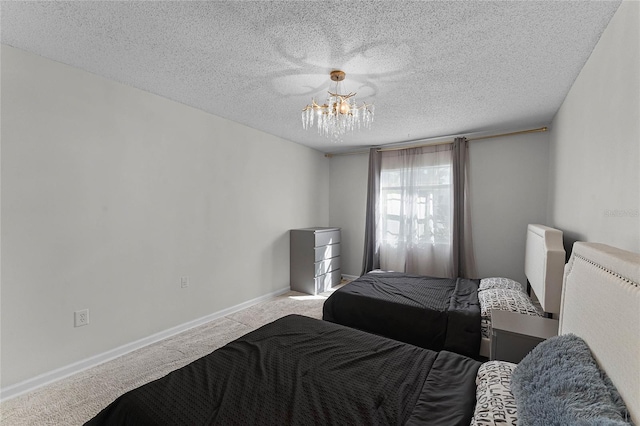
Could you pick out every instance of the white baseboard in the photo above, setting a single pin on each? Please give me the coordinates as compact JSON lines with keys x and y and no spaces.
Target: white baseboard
{"x":349,"y":277}
{"x":28,"y":385}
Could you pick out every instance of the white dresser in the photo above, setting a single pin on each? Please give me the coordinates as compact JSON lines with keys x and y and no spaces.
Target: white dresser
{"x":315,"y":259}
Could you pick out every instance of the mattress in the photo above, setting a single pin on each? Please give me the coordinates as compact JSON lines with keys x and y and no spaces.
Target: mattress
{"x":433,"y":313}
{"x":299,"y":370}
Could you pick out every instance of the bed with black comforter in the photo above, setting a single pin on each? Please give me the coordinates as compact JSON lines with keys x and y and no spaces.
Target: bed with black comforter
{"x":433,"y":313}
{"x":300,"y":371}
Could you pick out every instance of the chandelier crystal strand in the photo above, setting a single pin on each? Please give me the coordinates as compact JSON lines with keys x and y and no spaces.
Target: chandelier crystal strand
{"x":339,"y":115}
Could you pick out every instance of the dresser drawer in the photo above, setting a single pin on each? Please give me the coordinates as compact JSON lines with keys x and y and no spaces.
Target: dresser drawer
{"x":325,"y":266}
{"x":328,"y":280}
{"x":327,"y":252}
{"x":327,"y":237}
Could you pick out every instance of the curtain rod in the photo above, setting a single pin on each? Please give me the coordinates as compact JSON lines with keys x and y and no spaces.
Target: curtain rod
{"x":397,"y":148}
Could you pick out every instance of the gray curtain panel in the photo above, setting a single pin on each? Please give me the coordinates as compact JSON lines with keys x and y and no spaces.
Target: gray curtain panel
{"x":464,"y":262}
{"x":371,"y":258}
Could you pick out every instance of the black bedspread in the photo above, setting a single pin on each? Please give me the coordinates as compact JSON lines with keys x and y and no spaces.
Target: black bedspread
{"x":302,"y":371}
{"x":433,"y":313}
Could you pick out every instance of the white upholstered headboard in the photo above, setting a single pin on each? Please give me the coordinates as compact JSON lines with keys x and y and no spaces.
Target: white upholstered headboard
{"x":601,"y":304}
{"x":544,"y":265}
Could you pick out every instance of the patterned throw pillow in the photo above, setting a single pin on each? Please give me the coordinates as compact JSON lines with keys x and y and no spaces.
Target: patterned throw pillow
{"x":506,"y":300}
{"x":503,"y":300}
{"x":495,"y":402}
{"x":499,"y":282}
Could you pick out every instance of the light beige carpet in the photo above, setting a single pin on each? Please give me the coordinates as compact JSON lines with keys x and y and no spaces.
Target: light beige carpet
{"x":76,"y":399}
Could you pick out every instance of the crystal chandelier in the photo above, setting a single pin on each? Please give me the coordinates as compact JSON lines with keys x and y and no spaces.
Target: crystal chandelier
{"x":339,"y":115}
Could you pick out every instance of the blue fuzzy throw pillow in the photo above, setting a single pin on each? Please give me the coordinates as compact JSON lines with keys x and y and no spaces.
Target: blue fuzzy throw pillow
{"x":560,"y":383}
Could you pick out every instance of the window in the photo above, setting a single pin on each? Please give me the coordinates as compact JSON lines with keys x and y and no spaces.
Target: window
{"x":429,"y":197}
{"x":415,"y":208}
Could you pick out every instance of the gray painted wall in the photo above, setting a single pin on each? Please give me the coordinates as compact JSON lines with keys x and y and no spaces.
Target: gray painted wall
{"x":111,"y":194}
{"x":508,"y":185}
{"x":347,"y":207}
{"x":595,"y":142}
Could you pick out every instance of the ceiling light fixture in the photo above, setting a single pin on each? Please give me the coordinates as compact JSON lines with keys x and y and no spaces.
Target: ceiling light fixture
{"x":340,"y":114}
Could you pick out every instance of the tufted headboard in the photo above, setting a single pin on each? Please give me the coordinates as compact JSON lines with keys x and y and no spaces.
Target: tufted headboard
{"x":601,"y":304}
{"x":544,"y":265}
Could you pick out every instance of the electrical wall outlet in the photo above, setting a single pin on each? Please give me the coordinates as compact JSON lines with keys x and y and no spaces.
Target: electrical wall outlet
{"x":81,"y":317}
{"x":184,"y":282}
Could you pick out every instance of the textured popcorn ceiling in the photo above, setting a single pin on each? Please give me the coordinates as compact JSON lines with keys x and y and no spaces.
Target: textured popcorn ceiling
{"x":431,"y":68}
